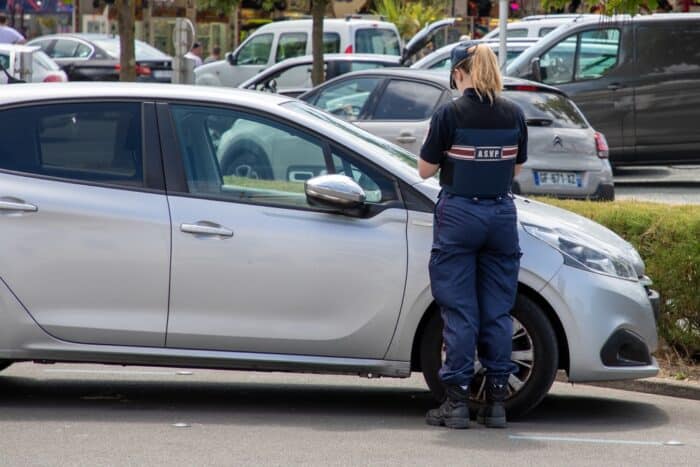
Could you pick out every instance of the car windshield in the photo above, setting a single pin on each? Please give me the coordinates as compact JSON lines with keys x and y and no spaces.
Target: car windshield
{"x":384,"y":146}
{"x":547,"y":109}
{"x":143,"y":50}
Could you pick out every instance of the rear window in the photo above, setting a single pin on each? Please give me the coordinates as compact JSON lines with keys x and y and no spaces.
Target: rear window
{"x":377,"y":41}
{"x":548,"y":110}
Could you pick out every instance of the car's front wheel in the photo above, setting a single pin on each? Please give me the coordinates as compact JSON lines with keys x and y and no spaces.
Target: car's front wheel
{"x":535,"y":352}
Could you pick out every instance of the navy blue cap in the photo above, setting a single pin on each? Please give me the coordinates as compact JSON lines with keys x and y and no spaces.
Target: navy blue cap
{"x":459,"y":54}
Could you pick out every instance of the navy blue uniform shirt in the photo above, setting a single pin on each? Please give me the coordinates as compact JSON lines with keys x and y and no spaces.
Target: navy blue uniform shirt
{"x":477,"y":145}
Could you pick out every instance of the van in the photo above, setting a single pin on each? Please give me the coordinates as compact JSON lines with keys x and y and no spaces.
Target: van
{"x":637,"y":80}
{"x":535,"y":26}
{"x":280,"y":40}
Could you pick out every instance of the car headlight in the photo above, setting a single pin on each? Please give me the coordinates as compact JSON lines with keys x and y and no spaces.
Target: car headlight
{"x":584,"y":252}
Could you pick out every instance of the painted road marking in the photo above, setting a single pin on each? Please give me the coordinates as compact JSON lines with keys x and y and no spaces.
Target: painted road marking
{"x":567,"y":439}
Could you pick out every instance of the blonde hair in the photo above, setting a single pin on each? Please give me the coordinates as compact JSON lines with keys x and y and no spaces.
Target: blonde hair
{"x":483,"y":68}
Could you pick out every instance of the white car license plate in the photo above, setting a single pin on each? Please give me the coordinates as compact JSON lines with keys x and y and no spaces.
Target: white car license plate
{"x":571,"y":179}
{"x":161,"y":74}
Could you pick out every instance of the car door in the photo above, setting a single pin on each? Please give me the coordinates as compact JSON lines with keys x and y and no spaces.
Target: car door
{"x":591,"y":66}
{"x":667,"y":91}
{"x":84,"y":220}
{"x":402,"y":112}
{"x":255,"y":268}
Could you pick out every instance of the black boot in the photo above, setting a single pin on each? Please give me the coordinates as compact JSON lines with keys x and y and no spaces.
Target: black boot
{"x":454,"y":412}
{"x":494,"y":414}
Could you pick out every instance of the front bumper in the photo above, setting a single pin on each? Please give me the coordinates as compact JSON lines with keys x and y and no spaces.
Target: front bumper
{"x":610,"y":325}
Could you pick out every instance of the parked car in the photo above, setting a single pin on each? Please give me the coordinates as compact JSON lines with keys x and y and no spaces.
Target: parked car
{"x":43,"y":68}
{"x":281,"y":40}
{"x":537,"y":25}
{"x":567,"y":157}
{"x":95,"y":57}
{"x":313,"y":258}
{"x":292,"y":77}
{"x":440,"y":59}
{"x":637,"y":80}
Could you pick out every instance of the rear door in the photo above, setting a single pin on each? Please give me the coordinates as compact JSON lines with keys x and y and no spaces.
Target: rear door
{"x":667,"y":91}
{"x":84,"y":220}
{"x":402,"y":112}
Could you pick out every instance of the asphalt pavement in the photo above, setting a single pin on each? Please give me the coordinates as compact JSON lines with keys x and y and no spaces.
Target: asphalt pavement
{"x":93,"y":415}
{"x":666,"y":184}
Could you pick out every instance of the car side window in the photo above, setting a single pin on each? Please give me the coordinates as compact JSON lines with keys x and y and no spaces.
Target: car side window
{"x":407,"y":100}
{"x":5,"y":62}
{"x":557,"y":64}
{"x":82,"y":51}
{"x":247,"y":158}
{"x":88,"y":142}
{"x":443,"y":64}
{"x":64,"y":48}
{"x":544,"y":31}
{"x":290,"y":45}
{"x":331,"y":43}
{"x":347,"y":99}
{"x":597,"y":53}
{"x":298,"y":77}
{"x":256,"y":51}
{"x":512,"y":33}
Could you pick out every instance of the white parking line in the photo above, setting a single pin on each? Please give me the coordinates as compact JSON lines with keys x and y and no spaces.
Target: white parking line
{"x":110,"y":372}
{"x":567,"y":439}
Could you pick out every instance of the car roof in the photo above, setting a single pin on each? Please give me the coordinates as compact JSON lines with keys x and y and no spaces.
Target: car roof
{"x":36,"y":93}
{"x":296,"y":23}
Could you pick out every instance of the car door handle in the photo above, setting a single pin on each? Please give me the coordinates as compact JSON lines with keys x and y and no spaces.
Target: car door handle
{"x":406,"y":137}
{"x":206,"y":229}
{"x":17,"y":206}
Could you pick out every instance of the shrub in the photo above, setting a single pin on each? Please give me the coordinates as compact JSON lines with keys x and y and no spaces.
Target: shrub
{"x":668,"y":238}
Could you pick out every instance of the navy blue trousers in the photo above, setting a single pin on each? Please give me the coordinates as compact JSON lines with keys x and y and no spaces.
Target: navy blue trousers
{"x":474,"y":276}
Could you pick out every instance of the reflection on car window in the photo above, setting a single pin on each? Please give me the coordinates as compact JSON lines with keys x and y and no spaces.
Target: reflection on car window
{"x":443,"y":64}
{"x":331,"y":43}
{"x":290,"y":45}
{"x":5,"y":62}
{"x":256,"y":51}
{"x":381,"y":144}
{"x":546,"y":109}
{"x":377,"y":187}
{"x":597,"y":53}
{"x":407,"y":100}
{"x":64,"y":49}
{"x":348,"y":98}
{"x":557,"y":65}
{"x":516,"y":32}
{"x":679,"y":46}
{"x":377,"y":41}
{"x":295,"y":77}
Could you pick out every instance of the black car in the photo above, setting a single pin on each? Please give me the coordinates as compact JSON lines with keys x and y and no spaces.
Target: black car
{"x":95,"y":57}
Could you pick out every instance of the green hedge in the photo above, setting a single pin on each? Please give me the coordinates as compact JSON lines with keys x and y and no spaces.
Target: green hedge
{"x":668,"y":238}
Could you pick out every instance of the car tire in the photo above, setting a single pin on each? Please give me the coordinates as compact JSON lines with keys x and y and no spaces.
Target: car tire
{"x":540,"y":377}
{"x":246,"y":159}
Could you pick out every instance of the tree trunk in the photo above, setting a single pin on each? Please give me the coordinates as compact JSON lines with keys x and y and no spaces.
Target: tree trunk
{"x":127,"y":58}
{"x":318,"y":10}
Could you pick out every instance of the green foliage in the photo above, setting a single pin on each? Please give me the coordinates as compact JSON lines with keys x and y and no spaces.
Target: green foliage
{"x":668,"y":238}
{"x":609,"y":7}
{"x":410,"y":16}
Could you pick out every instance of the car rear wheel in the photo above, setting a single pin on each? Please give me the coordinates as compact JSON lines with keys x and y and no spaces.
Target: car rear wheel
{"x":535,"y":353}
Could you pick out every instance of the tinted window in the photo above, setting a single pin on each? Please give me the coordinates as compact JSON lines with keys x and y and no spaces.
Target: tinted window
{"x":91,"y":142}
{"x":347,"y":99}
{"x":668,"y":49}
{"x":331,"y":43}
{"x":407,"y":100}
{"x":549,"y":110}
{"x":256,"y":51}
{"x":291,"y":45}
{"x":597,"y":53}
{"x":242,"y":157}
{"x":377,"y":41}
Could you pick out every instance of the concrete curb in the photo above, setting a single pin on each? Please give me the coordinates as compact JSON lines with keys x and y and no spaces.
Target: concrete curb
{"x":658,"y":386}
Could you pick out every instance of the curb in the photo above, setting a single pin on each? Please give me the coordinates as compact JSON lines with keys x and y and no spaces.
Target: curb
{"x":658,"y":386}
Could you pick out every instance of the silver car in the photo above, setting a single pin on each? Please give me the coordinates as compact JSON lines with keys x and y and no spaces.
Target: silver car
{"x":566,"y":157}
{"x":122,"y":243}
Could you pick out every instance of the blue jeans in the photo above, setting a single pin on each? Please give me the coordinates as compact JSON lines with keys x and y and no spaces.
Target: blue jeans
{"x":474,"y":278}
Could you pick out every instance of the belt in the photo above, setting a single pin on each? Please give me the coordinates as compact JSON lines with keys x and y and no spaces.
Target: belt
{"x":482,"y":197}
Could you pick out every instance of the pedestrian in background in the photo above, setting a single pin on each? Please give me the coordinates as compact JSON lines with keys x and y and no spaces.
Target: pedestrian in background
{"x":215,"y":55}
{"x":8,"y":34}
{"x":195,"y":54}
{"x":478,"y":142}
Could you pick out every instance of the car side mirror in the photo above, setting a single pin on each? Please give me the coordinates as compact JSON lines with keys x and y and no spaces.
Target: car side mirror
{"x":535,"y":70}
{"x":232,"y":59}
{"x":336,"y":192}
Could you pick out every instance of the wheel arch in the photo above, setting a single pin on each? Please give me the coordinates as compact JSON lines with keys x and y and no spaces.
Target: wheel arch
{"x":551,"y":315}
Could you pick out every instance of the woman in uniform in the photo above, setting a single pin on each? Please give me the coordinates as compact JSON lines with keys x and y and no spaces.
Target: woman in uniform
{"x":478,"y":142}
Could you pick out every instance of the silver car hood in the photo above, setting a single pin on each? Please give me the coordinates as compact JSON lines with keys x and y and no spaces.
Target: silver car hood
{"x":551,"y":217}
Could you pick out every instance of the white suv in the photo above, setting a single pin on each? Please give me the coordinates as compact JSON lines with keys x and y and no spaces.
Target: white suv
{"x":278,"y":41}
